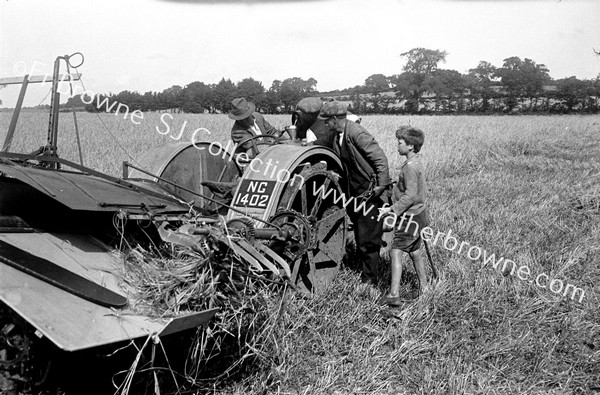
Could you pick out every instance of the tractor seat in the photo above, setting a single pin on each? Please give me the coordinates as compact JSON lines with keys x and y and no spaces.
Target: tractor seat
{"x":221,"y":189}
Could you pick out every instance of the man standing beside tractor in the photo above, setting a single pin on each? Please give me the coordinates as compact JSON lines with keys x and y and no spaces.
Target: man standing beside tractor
{"x":367,"y":168}
{"x":312,"y":128}
{"x":307,"y":122}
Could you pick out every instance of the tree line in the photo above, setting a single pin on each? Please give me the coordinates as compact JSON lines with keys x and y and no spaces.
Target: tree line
{"x":518,"y":86}
{"x":198,"y":97}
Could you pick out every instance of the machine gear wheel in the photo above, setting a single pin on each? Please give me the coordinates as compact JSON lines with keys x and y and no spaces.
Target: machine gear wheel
{"x":314,"y":200}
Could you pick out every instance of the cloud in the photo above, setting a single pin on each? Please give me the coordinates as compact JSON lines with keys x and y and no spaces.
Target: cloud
{"x":245,"y":2}
{"x":157,"y":56}
{"x":507,"y":1}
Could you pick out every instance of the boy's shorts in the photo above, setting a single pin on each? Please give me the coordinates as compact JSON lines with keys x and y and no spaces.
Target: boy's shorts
{"x":407,"y":233}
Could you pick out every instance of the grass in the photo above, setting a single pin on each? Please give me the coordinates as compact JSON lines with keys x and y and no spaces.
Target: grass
{"x":526,"y":188}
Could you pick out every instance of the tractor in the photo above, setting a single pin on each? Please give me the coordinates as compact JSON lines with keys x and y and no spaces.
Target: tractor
{"x":61,"y":222}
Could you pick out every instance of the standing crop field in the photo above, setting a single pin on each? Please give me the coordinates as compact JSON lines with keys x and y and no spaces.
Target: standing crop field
{"x":524,"y":188}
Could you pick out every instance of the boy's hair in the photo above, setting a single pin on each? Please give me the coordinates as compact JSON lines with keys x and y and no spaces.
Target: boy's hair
{"x":412,"y":136}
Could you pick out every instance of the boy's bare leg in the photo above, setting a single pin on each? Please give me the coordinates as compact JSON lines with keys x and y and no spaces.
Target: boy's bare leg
{"x":396,"y":256}
{"x":417,"y":259}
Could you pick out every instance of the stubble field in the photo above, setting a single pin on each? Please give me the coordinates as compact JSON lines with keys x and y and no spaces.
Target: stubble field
{"x":526,"y":188}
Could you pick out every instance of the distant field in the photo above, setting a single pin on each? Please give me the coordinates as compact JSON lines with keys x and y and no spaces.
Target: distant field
{"x":448,"y":137}
{"x":523,"y":187}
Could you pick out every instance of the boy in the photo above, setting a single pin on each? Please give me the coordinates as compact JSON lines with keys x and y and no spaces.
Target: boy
{"x":409,"y":206}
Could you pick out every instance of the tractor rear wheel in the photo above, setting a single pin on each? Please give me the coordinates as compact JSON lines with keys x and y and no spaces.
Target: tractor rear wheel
{"x":316,"y":262}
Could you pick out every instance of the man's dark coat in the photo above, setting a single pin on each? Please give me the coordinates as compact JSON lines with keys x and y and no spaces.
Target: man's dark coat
{"x":362,"y":156}
{"x":240,"y":133}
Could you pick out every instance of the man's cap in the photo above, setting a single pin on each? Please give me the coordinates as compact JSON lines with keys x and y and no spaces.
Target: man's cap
{"x":242,"y":109}
{"x":333,"y":108}
{"x":310,"y":105}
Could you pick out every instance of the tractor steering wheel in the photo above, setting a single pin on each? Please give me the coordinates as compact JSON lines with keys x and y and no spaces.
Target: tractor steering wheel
{"x":255,"y":141}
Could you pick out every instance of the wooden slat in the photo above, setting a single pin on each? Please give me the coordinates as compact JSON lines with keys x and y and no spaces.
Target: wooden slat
{"x":256,"y":254}
{"x":15,"y":116}
{"x":38,"y":78}
{"x":263,"y":248}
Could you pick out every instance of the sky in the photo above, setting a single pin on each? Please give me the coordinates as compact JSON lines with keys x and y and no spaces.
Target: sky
{"x":150,"y":45}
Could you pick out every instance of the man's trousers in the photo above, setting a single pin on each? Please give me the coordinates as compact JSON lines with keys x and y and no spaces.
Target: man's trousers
{"x":368,"y":232}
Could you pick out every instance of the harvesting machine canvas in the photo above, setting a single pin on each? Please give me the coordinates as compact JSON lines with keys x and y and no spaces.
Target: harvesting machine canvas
{"x":61,"y":286}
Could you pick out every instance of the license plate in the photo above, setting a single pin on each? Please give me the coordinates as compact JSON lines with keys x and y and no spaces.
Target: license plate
{"x":253,"y":193}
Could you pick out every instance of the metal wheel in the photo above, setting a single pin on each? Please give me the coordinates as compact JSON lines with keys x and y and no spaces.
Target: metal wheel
{"x":189,"y":165}
{"x":242,"y":227}
{"x":316,"y":261}
{"x":300,"y":235}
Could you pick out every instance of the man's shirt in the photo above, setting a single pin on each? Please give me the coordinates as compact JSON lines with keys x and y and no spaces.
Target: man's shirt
{"x":255,"y":129}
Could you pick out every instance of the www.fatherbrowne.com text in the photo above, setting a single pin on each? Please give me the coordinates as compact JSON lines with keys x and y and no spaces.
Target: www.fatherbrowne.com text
{"x":450,"y":242}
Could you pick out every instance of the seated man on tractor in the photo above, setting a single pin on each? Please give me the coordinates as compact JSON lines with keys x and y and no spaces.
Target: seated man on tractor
{"x":248,"y":123}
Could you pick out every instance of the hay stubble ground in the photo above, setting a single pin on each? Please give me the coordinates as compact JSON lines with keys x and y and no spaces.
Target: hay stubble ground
{"x":524,"y":187}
